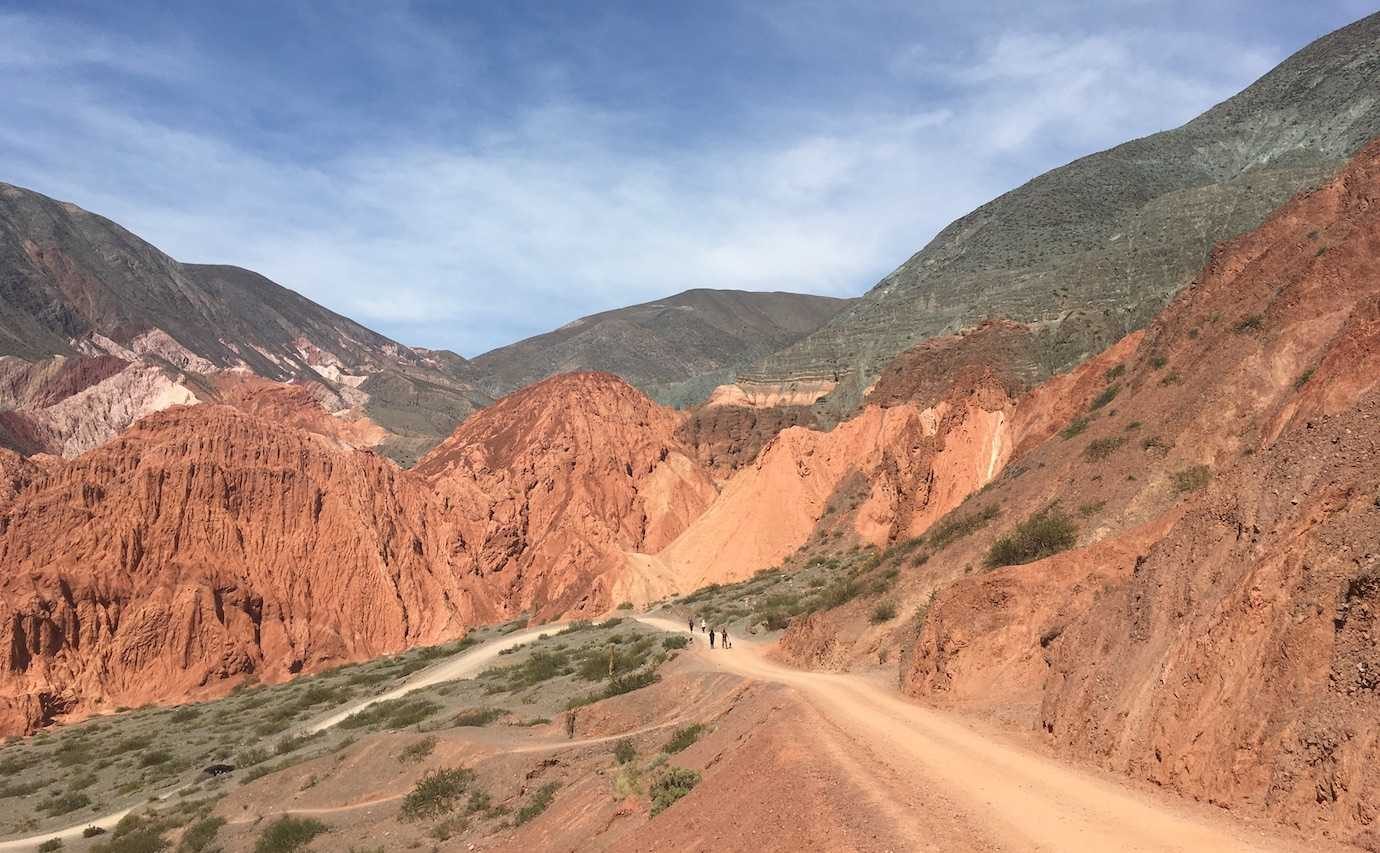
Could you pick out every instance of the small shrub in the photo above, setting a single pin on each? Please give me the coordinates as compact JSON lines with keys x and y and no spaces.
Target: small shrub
{"x":1303,"y":379}
{"x":200,"y":834}
{"x":449,"y":828}
{"x":1249,"y":324}
{"x":624,"y":751}
{"x":683,"y":738}
{"x":155,"y":758}
{"x":885,"y":611}
{"x":1075,"y":428}
{"x":392,"y":714}
{"x":627,"y":605}
{"x":537,"y":804}
{"x":1114,"y":372}
{"x":292,"y":743}
{"x":675,"y":641}
{"x":475,"y":717}
{"x":670,"y":785}
{"x":50,"y":845}
{"x":1088,"y":510}
{"x":1047,"y":532}
{"x":92,"y":832}
{"x":437,"y":793}
{"x":66,"y":803}
{"x":1108,"y":395}
{"x":1158,"y":361}
{"x":1100,"y":448}
{"x":288,"y":834}
{"x":1192,"y":478}
{"x":951,"y":529}
{"x":775,"y":620}
{"x":1155,"y":443}
{"x":1171,"y":378}
{"x":184,"y":714}
{"x":417,"y":750}
{"x":1133,"y":425}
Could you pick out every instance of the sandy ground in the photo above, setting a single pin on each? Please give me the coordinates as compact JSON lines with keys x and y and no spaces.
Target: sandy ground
{"x":920,"y":779}
{"x":1007,"y":797}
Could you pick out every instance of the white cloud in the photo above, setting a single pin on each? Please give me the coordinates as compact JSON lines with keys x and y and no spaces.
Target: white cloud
{"x":565,"y":209}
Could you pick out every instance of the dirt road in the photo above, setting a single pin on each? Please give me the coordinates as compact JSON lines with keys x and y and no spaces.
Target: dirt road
{"x":1003,"y":796}
{"x":1016,"y":799}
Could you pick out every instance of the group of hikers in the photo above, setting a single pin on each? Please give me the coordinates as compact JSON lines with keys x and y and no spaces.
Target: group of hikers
{"x":704,"y":628}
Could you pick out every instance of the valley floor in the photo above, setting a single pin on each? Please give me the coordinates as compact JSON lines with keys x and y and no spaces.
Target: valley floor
{"x":794,"y":759}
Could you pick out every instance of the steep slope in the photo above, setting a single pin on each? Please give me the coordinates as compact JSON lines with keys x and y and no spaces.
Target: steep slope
{"x":675,"y":349}
{"x":1093,"y":249}
{"x":938,"y":432}
{"x":76,"y":286}
{"x":1215,"y":630}
{"x":574,"y":473}
{"x":204,"y":545}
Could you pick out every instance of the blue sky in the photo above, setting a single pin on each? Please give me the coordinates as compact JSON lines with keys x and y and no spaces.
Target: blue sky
{"x":462,"y":175}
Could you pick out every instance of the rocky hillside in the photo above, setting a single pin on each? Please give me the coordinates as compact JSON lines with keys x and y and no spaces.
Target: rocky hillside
{"x":1094,"y":249}
{"x":206,"y":545}
{"x":98,"y":328}
{"x":570,"y":496}
{"x":211,"y":543}
{"x":675,"y":349}
{"x":1172,"y":573}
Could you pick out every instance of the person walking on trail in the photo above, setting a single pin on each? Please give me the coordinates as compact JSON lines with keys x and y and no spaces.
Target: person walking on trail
{"x":723,"y":638}
{"x":711,"y":639}
{"x":704,"y":626}
{"x":692,"y":624}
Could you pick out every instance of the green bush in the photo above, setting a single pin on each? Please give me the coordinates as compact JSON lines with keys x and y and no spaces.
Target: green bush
{"x":670,"y":785}
{"x":1114,"y":372}
{"x":1108,"y":395}
{"x":1249,"y":324}
{"x":392,"y":714}
{"x":475,"y":717}
{"x":775,"y":620}
{"x":1192,"y":478}
{"x":676,"y":641}
{"x":624,"y":751}
{"x":292,"y":743}
{"x":200,"y":834}
{"x":884,"y":612}
{"x":65,"y":803}
{"x":437,"y":793}
{"x":144,"y":839}
{"x":1075,"y":428}
{"x":417,"y":750}
{"x":953,"y":527}
{"x":538,"y":804}
{"x":1100,"y":448}
{"x":92,"y":832}
{"x":1047,"y":532}
{"x":683,"y":738}
{"x":449,"y":827}
{"x":627,"y":605}
{"x":288,"y":834}
{"x":50,"y":845}
{"x":154,"y":758}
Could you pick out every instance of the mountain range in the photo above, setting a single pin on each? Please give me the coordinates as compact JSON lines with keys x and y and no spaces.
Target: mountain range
{"x":1098,"y":468}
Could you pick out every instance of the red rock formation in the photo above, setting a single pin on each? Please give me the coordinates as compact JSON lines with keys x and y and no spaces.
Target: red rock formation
{"x":1218,"y":641}
{"x":573,"y":474}
{"x":205,"y":544}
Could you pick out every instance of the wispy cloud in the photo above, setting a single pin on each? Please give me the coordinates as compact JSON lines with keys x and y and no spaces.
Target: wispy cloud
{"x":477,"y":220}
